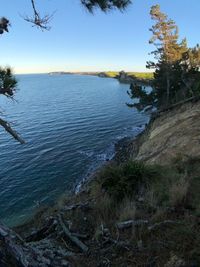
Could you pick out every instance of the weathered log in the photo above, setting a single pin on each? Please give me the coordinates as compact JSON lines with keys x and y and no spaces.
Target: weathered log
{"x":14,"y":249}
{"x":157,"y":225}
{"x":81,"y":236}
{"x":73,"y":238}
{"x":127,"y":224}
{"x":17,"y":253}
{"x":121,"y":244}
{"x":43,"y":232}
{"x":83,"y":206}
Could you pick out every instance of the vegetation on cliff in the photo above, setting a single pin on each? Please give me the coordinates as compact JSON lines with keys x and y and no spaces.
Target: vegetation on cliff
{"x":176,"y":66}
{"x":132,"y":76}
{"x":132,"y":214}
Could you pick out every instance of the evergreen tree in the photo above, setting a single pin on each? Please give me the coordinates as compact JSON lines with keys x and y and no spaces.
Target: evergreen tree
{"x":176,"y":67}
{"x":168,"y":52}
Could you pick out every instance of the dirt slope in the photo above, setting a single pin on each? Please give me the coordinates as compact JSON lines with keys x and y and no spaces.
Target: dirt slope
{"x":174,"y":133}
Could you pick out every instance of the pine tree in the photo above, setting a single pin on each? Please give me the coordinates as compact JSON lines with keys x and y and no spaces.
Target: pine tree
{"x":168,"y":52}
{"x":176,"y":75}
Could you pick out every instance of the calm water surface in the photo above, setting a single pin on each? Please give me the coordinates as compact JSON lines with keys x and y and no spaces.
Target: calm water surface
{"x":70,"y":124}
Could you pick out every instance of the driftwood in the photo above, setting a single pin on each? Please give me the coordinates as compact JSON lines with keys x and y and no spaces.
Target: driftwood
{"x":117,"y":243}
{"x":160,"y":224}
{"x":73,"y":238}
{"x":121,"y":244}
{"x":13,"y":246}
{"x":83,"y":206}
{"x":127,"y":224}
{"x":15,"y":252}
{"x":43,"y":232}
{"x":81,"y":236}
{"x":130,"y":223}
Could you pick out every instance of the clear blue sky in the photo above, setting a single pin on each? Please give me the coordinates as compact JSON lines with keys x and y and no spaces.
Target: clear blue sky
{"x":79,"y":41}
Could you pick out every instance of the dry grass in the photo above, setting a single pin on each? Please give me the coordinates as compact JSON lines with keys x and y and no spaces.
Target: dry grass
{"x":127,"y":210}
{"x":159,"y":215}
{"x":178,"y":192}
{"x":105,"y":212}
{"x":150,"y":198}
{"x":64,"y":200}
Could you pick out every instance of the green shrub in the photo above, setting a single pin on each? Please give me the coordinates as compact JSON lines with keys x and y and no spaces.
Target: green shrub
{"x":127,"y":179}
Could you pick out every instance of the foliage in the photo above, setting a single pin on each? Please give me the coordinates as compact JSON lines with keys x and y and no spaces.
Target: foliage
{"x":176,"y":185}
{"x":127,"y":210}
{"x":126,"y":179}
{"x":4,"y":23}
{"x":105,"y":5}
{"x":111,"y":74}
{"x":42,"y":22}
{"x":146,"y":99}
{"x":176,"y":75}
{"x":8,"y":82}
{"x":137,"y":75}
{"x":141,"y":75}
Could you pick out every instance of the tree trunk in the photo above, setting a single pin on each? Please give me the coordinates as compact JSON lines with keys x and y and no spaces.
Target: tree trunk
{"x":168,"y":87}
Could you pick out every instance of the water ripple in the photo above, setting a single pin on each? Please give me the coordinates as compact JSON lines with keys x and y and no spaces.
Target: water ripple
{"x":70,"y":128}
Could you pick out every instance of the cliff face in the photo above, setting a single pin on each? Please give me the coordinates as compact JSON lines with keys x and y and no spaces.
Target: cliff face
{"x":174,"y":133}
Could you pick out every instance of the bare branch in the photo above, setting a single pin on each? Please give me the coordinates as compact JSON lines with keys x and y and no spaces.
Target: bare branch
{"x":37,"y":20}
{"x":9,"y":129}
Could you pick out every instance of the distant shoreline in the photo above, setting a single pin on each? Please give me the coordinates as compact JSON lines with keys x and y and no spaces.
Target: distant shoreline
{"x":145,"y":78}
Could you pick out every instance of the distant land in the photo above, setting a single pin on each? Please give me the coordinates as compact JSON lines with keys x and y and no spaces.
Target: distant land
{"x":122,"y":76}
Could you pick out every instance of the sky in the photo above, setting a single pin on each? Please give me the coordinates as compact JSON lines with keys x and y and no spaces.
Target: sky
{"x":80,"y":41}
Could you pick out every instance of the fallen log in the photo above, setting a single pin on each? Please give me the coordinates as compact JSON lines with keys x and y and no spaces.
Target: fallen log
{"x":160,"y":224}
{"x":84,"y":206}
{"x":81,"y":236}
{"x":127,"y":224}
{"x":43,"y":232}
{"x":13,"y":246}
{"x":15,"y":252}
{"x":73,"y":238}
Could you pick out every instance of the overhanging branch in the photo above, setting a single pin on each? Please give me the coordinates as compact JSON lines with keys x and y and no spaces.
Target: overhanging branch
{"x":12,"y":132}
